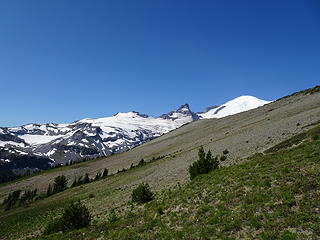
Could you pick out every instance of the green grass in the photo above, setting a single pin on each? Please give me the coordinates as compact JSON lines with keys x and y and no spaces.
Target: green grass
{"x":270,"y":196}
{"x":53,"y":170}
{"x":314,"y":133}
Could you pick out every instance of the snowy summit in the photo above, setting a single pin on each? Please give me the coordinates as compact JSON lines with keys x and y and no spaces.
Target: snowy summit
{"x":237,"y":105}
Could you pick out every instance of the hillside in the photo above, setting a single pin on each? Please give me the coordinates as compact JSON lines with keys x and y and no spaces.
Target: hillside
{"x":271,"y":196}
{"x":242,"y":134}
{"x":33,"y":147}
{"x":274,"y":195}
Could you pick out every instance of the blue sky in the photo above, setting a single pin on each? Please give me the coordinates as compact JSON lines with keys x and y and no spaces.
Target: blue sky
{"x":64,"y":60}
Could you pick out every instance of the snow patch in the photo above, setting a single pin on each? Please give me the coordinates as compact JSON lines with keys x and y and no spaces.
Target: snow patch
{"x":38,"y":139}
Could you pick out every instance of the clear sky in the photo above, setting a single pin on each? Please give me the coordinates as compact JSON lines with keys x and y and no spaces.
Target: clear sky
{"x":64,"y":60}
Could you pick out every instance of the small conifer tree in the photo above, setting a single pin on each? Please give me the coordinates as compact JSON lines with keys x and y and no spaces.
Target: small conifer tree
{"x":60,"y":184}
{"x":11,"y":200}
{"x":49,"y":190}
{"x":98,"y":176}
{"x":75,"y":216}
{"x":205,"y":164}
{"x":86,"y":179}
{"x":79,"y":181}
{"x":74,"y":183}
{"x":105,"y":172}
{"x":142,"y":162}
{"x":142,"y":193}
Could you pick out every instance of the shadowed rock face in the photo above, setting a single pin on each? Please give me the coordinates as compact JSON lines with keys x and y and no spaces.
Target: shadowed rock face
{"x":219,"y":109}
{"x":207,"y":109}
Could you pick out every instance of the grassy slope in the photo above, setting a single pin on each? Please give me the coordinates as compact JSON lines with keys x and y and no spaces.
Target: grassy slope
{"x":270,"y":196}
{"x":243,"y":134}
{"x":276,"y":195}
{"x":182,"y":143}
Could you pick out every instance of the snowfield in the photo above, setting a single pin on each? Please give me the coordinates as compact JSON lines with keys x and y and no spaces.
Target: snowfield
{"x":133,"y":121}
{"x":38,"y":139}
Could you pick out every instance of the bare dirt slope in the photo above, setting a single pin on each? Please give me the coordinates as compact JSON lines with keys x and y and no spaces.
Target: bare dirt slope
{"x":242,"y":134}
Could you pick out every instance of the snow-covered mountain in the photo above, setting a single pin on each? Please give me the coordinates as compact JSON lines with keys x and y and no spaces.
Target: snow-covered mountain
{"x":39,"y":146}
{"x":237,"y":105}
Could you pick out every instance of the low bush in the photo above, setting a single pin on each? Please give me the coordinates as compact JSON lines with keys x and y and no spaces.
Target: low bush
{"x":11,"y":200}
{"x":142,"y":194}
{"x":226,"y":151}
{"x":223,"y":158}
{"x":105,"y":172}
{"x":75,"y":216}
{"x":205,"y":164}
{"x":16,"y":199}
{"x":160,"y":210}
{"x":56,"y":225}
{"x":113,"y":216}
{"x":60,"y":184}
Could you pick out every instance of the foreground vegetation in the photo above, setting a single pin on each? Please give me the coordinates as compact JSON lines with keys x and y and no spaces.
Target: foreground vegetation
{"x":275,"y":195}
{"x":75,"y":216}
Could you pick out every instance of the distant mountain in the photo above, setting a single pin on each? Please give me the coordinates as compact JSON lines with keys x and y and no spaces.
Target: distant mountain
{"x":237,"y":105}
{"x":33,"y":147}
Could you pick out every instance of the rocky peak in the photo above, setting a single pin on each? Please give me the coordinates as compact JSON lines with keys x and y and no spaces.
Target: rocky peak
{"x":184,"y":108}
{"x":182,"y":112}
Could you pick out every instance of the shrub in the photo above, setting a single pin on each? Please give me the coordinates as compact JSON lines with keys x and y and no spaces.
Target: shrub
{"x":40,"y":196}
{"x":105,"y":172}
{"x":142,"y":162}
{"x":160,"y":210}
{"x":205,"y":164}
{"x":98,"y":176}
{"x":113,"y":216}
{"x":223,"y":158}
{"x":28,"y":196}
{"x":315,"y":133}
{"x":49,"y":190}
{"x":75,"y":216}
{"x":225,"y":151}
{"x":60,"y":184}
{"x":56,"y":225}
{"x":86,"y":179}
{"x":142,"y":193}
{"x":79,"y":181}
{"x":11,"y":200}
{"x":74,"y":183}
{"x":16,"y":199}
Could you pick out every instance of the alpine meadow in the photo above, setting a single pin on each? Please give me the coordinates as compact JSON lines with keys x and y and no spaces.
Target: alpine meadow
{"x":159,"y":120}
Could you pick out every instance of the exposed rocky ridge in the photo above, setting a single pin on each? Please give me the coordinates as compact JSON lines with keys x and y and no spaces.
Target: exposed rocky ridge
{"x":184,"y":110}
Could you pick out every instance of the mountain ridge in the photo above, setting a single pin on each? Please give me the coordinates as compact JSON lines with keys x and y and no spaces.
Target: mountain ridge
{"x":91,"y":138}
